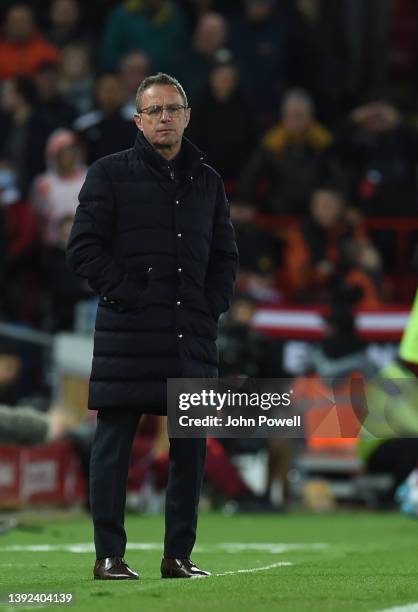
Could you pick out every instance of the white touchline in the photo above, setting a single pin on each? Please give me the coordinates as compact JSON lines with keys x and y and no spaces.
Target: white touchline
{"x":256,"y":569}
{"x":165,"y":584}
{"x":413,"y":607}
{"x":228,"y":547}
{"x":271,"y":547}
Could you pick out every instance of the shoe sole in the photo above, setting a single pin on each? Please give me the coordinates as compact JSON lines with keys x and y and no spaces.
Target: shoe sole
{"x":185,"y":577}
{"x":121,"y":578}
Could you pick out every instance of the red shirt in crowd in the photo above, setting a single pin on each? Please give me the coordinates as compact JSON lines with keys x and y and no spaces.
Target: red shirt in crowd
{"x":23,"y":58}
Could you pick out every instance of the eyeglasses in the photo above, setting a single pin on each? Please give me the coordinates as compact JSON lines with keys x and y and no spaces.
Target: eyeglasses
{"x":172,"y":110}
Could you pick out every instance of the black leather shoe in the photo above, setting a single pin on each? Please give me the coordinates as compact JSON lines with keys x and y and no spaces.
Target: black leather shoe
{"x":181,"y":568}
{"x":113,"y":568}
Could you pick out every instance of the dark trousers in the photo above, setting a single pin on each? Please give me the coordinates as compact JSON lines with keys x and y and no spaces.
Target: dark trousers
{"x":108,"y":481}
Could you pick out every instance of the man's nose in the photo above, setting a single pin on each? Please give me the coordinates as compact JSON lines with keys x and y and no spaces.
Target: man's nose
{"x":165,"y":116}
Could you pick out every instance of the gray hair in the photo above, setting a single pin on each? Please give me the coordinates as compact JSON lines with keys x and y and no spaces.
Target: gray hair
{"x":159,"y":79}
{"x":300,"y":95}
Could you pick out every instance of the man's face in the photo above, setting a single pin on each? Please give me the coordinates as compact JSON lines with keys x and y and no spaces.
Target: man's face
{"x":109,"y":94}
{"x":19,"y":23}
{"x":326,"y":207}
{"x":64,"y":13}
{"x":75,"y":61}
{"x":210,"y":33}
{"x":10,"y":366}
{"x":242,"y":213}
{"x":66,"y":158}
{"x":258,"y":10}
{"x":134,"y":69}
{"x":164,"y":130}
{"x":296,"y":116}
{"x":242,"y":311}
{"x":224,"y":81}
{"x":47,"y":82}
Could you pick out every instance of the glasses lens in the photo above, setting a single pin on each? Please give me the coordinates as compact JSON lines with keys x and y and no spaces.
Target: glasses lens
{"x":172,"y":110}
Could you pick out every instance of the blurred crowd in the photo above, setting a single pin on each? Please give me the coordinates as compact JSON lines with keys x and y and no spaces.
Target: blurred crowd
{"x":307,"y":108}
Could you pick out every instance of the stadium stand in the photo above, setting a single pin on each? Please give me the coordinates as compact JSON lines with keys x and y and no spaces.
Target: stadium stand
{"x":288,"y":102}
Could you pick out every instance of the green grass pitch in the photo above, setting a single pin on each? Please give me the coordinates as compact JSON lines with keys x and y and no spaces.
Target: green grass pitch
{"x":347,"y":561}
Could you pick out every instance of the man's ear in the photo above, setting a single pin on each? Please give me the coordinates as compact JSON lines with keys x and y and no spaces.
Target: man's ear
{"x":138,"y":121}
{"x":187,"y":119}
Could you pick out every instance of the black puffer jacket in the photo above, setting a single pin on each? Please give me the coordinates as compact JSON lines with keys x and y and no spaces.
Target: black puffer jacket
{"x":156,"y":243}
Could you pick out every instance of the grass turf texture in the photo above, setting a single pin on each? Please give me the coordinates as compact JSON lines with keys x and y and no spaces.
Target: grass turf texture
{"x":369,"y":563}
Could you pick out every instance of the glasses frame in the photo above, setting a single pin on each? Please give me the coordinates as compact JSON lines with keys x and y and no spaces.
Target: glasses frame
{"x":171,"y":110}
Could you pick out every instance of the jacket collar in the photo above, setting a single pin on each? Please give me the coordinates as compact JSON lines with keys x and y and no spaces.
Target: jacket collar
{"x":190,"y":157}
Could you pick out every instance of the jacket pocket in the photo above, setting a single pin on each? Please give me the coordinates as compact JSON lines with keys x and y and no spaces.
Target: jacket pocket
{"x":142,"y":279}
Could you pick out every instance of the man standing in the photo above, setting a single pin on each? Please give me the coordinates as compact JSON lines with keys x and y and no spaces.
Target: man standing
{"x":153,"y":237}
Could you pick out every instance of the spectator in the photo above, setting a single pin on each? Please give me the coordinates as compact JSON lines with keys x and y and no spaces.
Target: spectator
{"x":222,"y":124}
{"x":379,"y":154}
{"x":107,"y":129}
{"x":133,"y":69}
{"x":260,"y":254}
{"x":289,"y":159}
{"x":244,"y":351}
{"x":64,"y":23}
{"x":257,"y":39}
{"x":20,"y":221}
{"x":341,"y":351}
{"x":155,"y":27}
{"x":330,"y":257}
{"x":22,"y":243}
{"x":11,"y":366}
{"x":55,"y":193}
{"x":77,"y":80}
{"x":52,"y":106}
{"x":209,"y":37}
{"x":24,"y":131}
{"x":22,"y":48}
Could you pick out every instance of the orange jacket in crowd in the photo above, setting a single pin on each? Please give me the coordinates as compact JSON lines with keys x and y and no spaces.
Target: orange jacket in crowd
{"x":303,"y":275}
{"x":24,"y":58}
{"x":278,"y":138}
